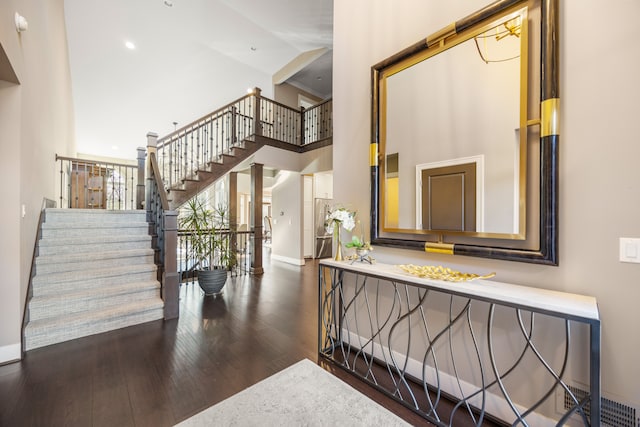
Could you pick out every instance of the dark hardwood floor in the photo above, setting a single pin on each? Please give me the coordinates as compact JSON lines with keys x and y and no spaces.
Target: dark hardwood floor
{"x":161,"y":373}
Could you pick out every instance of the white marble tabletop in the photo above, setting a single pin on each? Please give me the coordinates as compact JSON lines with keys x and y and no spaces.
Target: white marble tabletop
{"x":545,"y":300}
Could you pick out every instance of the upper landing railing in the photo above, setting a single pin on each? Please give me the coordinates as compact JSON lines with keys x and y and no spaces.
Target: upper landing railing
{"x":91,"y":184}
{"x":197,"y":146}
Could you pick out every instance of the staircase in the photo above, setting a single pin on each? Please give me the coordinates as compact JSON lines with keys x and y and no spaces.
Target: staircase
{"x":94,"y":272}
{"x":193,"y":157}
{"x":205,"y":175}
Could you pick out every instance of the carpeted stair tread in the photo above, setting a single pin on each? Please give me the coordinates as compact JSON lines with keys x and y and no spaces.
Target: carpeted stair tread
{"x":93,"y":225}
{"x":85,"y":229}
{"x":94,"y":241}
{"x":93,"y":316}
{"x":88,"y":243}
{"x":92,"y":256}
{"x":91,"y":278}
{"x":50,"y":305}
{"x":52,"y":215}
{"x":49,"y":331}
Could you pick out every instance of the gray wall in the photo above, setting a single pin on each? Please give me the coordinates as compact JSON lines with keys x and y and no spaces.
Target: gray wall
{"x":599,"y":91}
{"x":36,"y":122}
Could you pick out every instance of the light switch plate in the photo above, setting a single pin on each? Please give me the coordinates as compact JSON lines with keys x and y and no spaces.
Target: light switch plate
{"x":629,"y":249}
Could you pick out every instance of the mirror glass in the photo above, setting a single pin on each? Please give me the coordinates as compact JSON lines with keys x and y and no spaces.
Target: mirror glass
{"x":453,"y":153}
{"x":465,"y":136}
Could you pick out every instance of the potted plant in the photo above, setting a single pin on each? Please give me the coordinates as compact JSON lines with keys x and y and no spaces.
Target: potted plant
{"x":208,"y":247}
{"x":362,"y":249}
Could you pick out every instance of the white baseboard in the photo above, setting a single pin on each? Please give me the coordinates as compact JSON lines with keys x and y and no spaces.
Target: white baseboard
{"x":494,"y":404}
{"x":294,"y":261}
{"x":10,"y":353}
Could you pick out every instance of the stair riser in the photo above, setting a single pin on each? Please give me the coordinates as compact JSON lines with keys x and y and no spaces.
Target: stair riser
{"x":62,"y":266}
{"x":90,"y":248}
{"x":95,"y":232}
{"x":42,"y":309}
{"x":47,"y":287}
{"x":64,"y":333}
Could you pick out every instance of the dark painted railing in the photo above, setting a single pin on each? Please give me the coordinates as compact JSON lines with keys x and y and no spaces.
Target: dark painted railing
{"x":164,"y":226}
{"x":237,"y":244}
{"x":90,"y":184}
{"x":280,"y":122}
{"x":318,"y":122}
{"x":193,"y":147}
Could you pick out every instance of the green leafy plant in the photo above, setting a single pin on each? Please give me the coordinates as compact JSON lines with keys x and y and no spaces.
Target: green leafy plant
{"x":357,"y":243}
{"x":207,"y":238}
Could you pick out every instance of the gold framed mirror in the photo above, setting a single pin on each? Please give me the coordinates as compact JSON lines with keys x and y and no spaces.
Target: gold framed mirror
{"x":465,"y":139}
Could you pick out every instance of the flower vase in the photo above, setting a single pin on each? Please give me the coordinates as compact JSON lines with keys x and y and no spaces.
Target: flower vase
{"x":338,"y":256}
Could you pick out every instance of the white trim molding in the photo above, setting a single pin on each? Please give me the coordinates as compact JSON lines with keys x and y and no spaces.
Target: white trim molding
{"x":10,"y":353}
{"x":288,"y":260}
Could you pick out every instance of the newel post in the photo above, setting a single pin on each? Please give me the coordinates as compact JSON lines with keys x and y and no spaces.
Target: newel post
{"x":170,"y":282}
{"x":256,"y":111}
{"x":141,"y":183}
{"x":152,"y":141}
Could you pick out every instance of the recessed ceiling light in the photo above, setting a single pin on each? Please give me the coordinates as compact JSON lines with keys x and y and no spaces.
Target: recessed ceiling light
{"x":253,"y":48}
{"x":115,"y":147}
{"x":168,"y":3}
{"x":129,"y":45}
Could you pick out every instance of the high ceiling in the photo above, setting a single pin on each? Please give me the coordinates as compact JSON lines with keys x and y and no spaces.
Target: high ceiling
{"x":190,"y":57}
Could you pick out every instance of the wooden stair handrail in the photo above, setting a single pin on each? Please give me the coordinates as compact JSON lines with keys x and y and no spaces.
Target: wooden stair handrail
{"x":164,"y":200}
{"x":162,"y":141}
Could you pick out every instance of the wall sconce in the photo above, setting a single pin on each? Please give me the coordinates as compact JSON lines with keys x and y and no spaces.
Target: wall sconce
{"x":21,"y":23}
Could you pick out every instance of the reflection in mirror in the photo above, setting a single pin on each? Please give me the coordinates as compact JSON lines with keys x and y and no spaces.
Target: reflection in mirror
{"x":441,"y":125}
{"x":465,"y":137}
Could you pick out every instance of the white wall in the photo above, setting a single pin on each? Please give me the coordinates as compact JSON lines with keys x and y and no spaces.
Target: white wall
{"x":286,"y":202}
{"x":36,"y":122}
{"x":599,"y":153}
{"x":323,"y":185}
{"x":320,"y":160}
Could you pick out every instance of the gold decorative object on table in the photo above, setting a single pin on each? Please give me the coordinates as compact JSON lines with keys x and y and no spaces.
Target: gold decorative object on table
{"x":338,"y":256}
{"x":441,"y":273}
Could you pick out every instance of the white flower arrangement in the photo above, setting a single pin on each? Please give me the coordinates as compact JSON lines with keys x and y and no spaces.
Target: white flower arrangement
{"x":342,"y":217}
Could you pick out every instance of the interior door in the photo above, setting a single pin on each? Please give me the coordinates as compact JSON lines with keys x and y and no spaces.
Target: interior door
{"x":449,"y":198}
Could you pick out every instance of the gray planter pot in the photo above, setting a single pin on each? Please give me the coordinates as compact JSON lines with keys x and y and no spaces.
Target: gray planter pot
{"x":212,"y":281}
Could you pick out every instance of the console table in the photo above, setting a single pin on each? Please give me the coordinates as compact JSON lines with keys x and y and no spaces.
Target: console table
{"x":476,"y":349}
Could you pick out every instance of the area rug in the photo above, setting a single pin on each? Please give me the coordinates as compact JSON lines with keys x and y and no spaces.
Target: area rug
{"x":301,"y":395}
